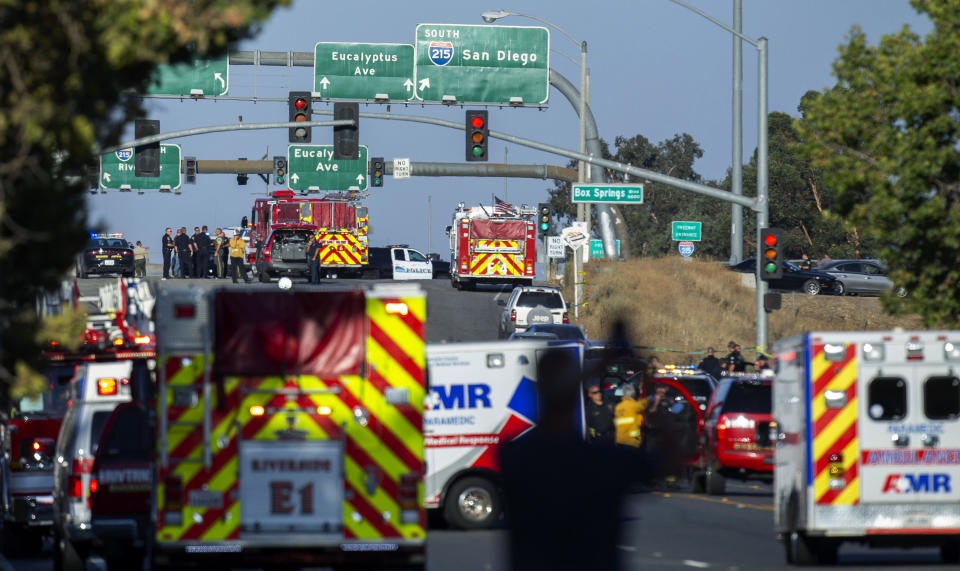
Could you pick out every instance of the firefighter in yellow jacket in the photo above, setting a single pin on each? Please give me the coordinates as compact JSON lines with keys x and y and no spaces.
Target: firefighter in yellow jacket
{"x":628,"y":417}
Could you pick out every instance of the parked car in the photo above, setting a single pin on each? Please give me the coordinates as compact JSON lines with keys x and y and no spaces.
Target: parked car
{"x":812,"y":282}
{"x":528,"y":305}
{"x":105,"y":254}
{"x":735,"y":440}
{"x":862,"y":277}
{"x":398,"y":262}
{"x":284,"y":252}
{"x":97,"y":389}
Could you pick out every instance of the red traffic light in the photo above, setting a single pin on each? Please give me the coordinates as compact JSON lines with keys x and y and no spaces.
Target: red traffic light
{"x":770,"y":240}
{"x":300,"y":103}
{"x":476,"y":121}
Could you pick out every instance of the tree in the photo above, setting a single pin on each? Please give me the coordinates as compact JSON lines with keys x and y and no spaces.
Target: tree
{"x":886,"y":136}
{"x":66,"y":67}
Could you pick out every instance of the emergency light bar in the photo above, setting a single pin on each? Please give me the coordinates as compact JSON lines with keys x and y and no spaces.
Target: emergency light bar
{"x":107,"y":386}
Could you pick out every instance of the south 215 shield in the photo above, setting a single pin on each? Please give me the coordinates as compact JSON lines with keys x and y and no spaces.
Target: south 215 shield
{"x":440,"y":53}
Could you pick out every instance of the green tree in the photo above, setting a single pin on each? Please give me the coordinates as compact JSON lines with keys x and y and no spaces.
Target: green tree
{"x":886,"y":136}
{"x":66,"y":67}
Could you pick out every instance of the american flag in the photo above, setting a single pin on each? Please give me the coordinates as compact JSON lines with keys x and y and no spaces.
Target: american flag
{"x":502,"y":206}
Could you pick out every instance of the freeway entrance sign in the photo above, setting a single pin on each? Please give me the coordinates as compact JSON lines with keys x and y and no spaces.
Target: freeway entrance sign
{"x":596,"y":249}
{"x":363,"y":71}
{"x":608,"y":193}
{"x":495,"y":65}
{"x":117,"y":170}
{"x":312,"y":167}
{"x":199,"y":77}
{"x":686,"y":231}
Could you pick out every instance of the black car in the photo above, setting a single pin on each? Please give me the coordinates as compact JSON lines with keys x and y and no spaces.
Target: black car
{"x":441,"y":267}
{"x":794,"y":279}
{"x":105,"y":254}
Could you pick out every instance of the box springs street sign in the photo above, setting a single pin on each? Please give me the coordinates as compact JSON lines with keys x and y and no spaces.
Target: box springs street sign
{"x":608,"y":193}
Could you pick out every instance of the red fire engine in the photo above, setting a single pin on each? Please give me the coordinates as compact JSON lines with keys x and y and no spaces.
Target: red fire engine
{"x":490,"y":246}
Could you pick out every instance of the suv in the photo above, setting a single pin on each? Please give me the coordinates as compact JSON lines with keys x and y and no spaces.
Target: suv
{"x":97,"y":389}
{"x":735,"y":441}
{"x":528,"y":305}
{"x":398,"y":262}
{"x":284,"y":252}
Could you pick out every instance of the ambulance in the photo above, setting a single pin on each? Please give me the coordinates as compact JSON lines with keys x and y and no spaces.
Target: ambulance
{"x":482,"y":394}
{"x":867,"y":431}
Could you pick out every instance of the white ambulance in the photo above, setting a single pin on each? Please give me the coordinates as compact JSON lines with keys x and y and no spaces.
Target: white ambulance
{"x":480,"y":395}
{"x":868,"y":442}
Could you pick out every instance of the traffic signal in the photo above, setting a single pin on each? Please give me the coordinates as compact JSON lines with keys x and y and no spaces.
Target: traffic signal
{"x":280,"y":169}
{"x":543,"y":218}
{"x":242,"y":176}
{"x":376,"y":171}
{"x":146,"y":158}
{"x":190,"y":170}
{"x":477,"y":135}
{"x":346,"y":138}
{"x":771,"y":254}
{"x":300,"y":105}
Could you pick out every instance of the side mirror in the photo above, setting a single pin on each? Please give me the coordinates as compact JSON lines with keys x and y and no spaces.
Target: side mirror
{"x":448,"y":229}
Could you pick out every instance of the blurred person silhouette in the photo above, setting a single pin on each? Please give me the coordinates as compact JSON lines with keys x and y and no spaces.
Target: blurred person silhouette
{"x":552,"y":461}
{"x":711,"y":364}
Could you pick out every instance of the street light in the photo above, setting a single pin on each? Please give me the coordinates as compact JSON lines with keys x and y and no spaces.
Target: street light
{"x":491,"y":16}
{"x":762,"y":205}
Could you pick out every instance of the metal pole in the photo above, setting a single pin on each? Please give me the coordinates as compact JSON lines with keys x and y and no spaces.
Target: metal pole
{"x":581,"y":208}
{"x":505,"y":195}
{"x":736,"y":175}
{"x":763,"y":207}
{"x":429,"y":213}
{"x":587,"y":210}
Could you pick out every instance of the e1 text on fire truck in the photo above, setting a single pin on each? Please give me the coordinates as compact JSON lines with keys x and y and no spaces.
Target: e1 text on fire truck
{"x":339,"y":221}
{"x":492,"y":245}
{"x":868,"y":442}
{"x":289,"y":427}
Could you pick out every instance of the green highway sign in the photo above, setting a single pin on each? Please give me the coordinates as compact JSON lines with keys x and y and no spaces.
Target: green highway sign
{"x":496,"y":65}
{"x":686,"y":231}
{"x":608,"y":193}
{"x":117,"y":170}
{"x":363,"y":71}
{"x":312,"y":167}
{"x":199,"y":77}
{"x":596,"y":249}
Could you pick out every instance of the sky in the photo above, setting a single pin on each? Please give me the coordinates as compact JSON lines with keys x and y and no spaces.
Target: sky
{"x":656,"y":69}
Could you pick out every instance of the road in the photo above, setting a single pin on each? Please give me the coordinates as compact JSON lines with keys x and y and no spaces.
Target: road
{"x":663,"y":529}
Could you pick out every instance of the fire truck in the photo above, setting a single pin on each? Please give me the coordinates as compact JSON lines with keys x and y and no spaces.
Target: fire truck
{"x":118,"y":329}
{"x":340,"y":223}
{"x":490,"y":246}
{"x":289,"y":427}
{"x":867,"y":431}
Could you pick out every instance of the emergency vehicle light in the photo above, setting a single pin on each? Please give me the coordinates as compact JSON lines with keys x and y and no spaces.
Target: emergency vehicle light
{"x":835,"y":399}
{"x":914,"y":351}
{"x":36,"y":445}
{"x":873,"y":352}
{"x":495,"y":360}
{"x":951,"y":351}
{"x":93,"y":486}
{"x":324,"y":410}
{"x":118,"y":341}
{"x":142,"y":340}
{"x":397,"y":308}
{"x":256,"y":410}
{"x":107,"y":386}
{"x":184,"y":310}
{"x":834,"y":351}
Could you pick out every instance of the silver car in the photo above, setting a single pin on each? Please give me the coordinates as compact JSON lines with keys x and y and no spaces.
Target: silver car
{"x":529,"y":305}
{"x":863,"y":277}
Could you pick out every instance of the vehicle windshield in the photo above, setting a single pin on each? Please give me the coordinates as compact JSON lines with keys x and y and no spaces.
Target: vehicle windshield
{"x":52,"y":402}
{"x":749,"y":397}
{"x":560,"y":332}
{"x":791,"y":266}
{"x":108,"y":243}
{"x":534,"y":298}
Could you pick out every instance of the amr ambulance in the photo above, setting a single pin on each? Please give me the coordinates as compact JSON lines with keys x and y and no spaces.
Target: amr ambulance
{"x":481,"y":395}
{"x":868,"y":442}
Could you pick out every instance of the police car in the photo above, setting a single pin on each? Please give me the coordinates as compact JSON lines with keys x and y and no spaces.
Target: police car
{"x":105,"y":254}
{"x":398,"y":262}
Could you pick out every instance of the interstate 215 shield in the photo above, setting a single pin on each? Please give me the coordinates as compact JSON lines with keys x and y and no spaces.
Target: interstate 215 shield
{"x":440,"y":53}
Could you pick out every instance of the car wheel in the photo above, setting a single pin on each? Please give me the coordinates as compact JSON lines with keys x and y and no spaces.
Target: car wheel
{"x":697,"y":482}
{"x":472,"y":503}
{"x":901,"y":292}
{"x":840,"y":289}
{"x":714,"y":483}
{"x":811,"y":287}
{"x":66,"y":557}
{"x":950,"y":552}
{"x":263,"y":276}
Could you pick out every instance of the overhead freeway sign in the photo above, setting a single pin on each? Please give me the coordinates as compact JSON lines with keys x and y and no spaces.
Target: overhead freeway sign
{"x":608,"y":193}
{"x":312,"y":167}
{"x":363,"y":71}
{"x":499,"y":65}
{"x":198,"y":77}
{"x":117,"y":170}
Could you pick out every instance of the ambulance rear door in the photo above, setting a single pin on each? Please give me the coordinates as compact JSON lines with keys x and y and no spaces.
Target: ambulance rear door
{"x":909,"y":426}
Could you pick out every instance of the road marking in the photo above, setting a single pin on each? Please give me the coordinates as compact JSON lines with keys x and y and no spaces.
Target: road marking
{"x":748,"y":486}
{"x":628,"y":547}
{"x":694,"y":563}
{"x":717,"y":501}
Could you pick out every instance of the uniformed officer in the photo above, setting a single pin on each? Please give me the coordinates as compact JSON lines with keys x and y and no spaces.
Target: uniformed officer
{"x":184,"y":252}
{"x":202,"y":239}
{"x":167,"y":247}
{"x":313,"y":263}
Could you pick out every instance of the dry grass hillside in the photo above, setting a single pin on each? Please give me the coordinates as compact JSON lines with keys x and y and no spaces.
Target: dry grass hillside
{"x":680,"y":308}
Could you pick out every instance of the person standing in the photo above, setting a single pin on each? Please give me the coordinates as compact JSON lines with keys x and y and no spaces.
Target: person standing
{"x":237,"y":249}
{"x":711,"y":364}
{"x":201,"y":258}
{"x":600,"y":427}
{"x":219,"y":249}
{"x":140,"y":260}
{"x":185,"y":253}
{"x":313,"y":262}
{"x":732,"y":361}
{"x":628,"y":417}
{"x":166,"y":246}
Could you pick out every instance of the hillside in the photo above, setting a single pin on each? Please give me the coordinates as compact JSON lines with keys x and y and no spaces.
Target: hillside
{"x":680,"y":308}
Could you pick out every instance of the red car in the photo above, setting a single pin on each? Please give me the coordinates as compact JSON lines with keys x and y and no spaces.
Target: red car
{"x":735,"y":441}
